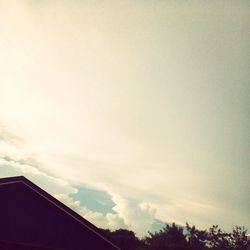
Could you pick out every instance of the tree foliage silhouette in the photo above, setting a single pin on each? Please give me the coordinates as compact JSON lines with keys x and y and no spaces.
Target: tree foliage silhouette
{"x":196,"y":239}
{"x":170,"y":237}
{"x":175,"y":237}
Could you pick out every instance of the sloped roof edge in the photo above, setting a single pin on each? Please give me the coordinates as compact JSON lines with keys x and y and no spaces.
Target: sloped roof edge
{"x":55,"y":202}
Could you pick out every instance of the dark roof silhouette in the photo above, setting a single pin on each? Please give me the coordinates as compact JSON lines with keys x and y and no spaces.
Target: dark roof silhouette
{"x":30,"y":218}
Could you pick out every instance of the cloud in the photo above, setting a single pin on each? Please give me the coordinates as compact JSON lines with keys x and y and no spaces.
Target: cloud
{"x":126,"y":213}
{"x":110,"y":220}
{"x":14,"y":167}
{"x":138,"y":216}
{"x":7,"y":137}
{"x":73,"y":204}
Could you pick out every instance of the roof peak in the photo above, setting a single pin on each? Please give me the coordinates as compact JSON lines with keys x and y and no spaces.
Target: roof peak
{"x":13,"y":178}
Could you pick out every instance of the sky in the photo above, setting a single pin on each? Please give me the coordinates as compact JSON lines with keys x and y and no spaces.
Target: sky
{"x":133,"y":113}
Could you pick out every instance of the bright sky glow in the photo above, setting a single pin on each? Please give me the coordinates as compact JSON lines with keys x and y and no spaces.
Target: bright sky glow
{"x":142,"y":107}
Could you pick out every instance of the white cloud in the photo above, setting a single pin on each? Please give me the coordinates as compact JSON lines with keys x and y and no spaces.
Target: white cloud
{"x":138,"y":216}
{"x":73,"y":204}
{"x":10,"y":167}
{"x":111,"y":221}
{"x":8,"y":137}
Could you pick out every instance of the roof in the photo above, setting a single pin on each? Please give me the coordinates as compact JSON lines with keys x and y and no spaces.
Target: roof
{"x":4,"y":245}
{"x":59,"y":205}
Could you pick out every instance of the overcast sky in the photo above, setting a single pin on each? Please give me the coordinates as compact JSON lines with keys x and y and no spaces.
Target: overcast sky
{"x":131,"y":112}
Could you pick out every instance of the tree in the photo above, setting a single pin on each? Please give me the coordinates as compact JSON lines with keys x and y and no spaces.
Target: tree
{"x":218,"y":239}
{"x":239,"y":238}
{"x":174,"y":237}
{"x":123,"y":238}
{"x":197,"y":239}
{"x":171,"y":237}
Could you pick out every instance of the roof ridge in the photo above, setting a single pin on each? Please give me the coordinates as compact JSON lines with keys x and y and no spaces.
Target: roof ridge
{"x":6,"y":180}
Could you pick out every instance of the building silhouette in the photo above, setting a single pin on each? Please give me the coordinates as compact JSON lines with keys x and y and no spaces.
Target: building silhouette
{"x":30,"y":218}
